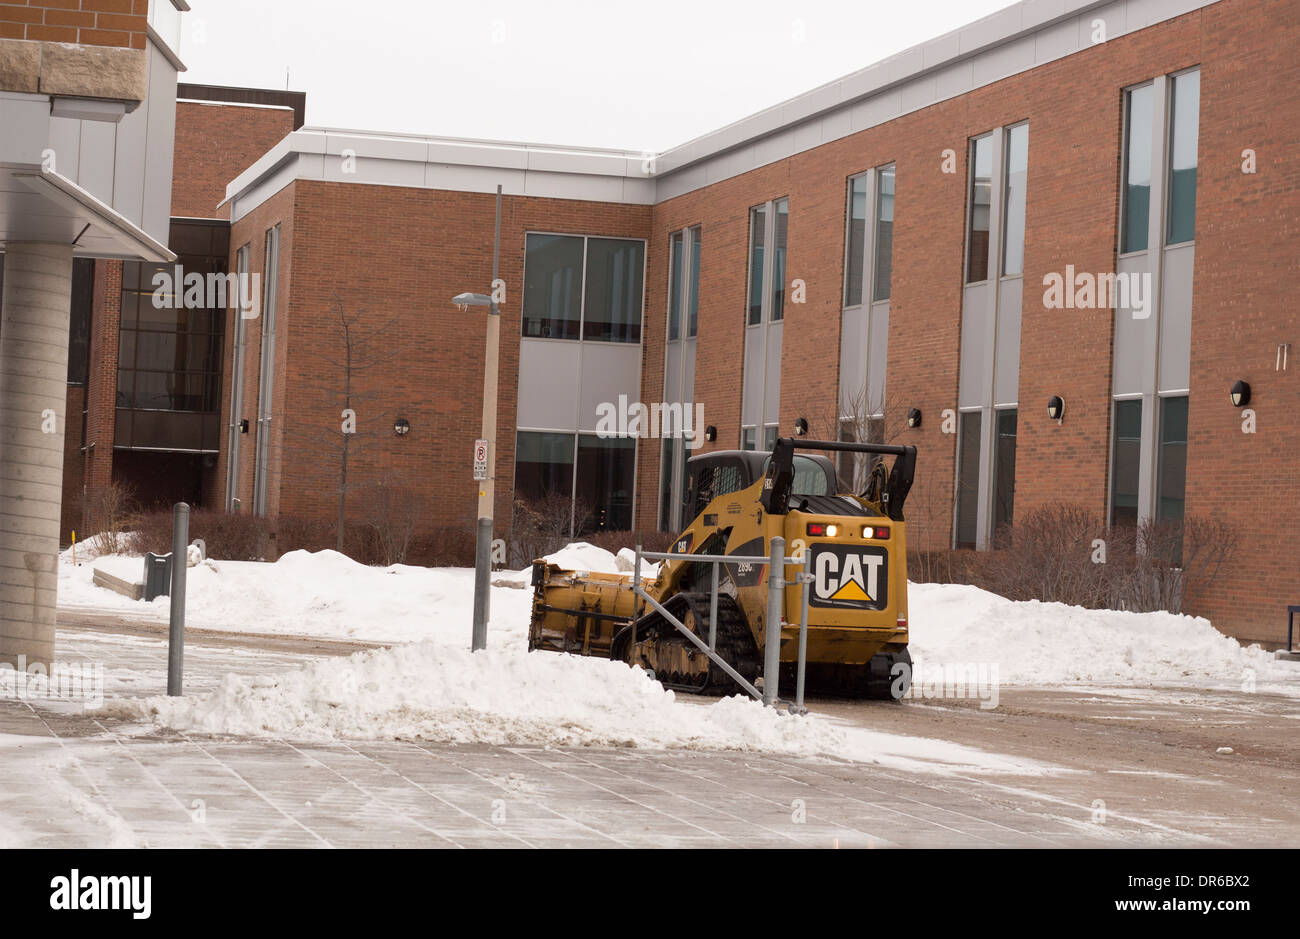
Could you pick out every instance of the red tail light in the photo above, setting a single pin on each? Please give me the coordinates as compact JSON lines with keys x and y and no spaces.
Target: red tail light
{"x":822,"y":529}
{"x":879,"y":532}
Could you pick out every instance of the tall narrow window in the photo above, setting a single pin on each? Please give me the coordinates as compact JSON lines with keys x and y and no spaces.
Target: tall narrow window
{"x":666,"y":482}
{"x":270,"y":315}
{"x":693,"y":317}
{"x":676,"y":245}
{"x":1186,"y":108}
{"x":884,"y":232}
{"x":1137,"y":169}
{"x":1126,"y":449}
{"x":1004,"y":483}
{"x":981,"y":195}
{"x":968,"y":475}
{"x":782,"y":208}
{"x":748,"y":438}
{"x":1013,"y":229}
{"x":1171,"y":483}
{"x":757,"y":235}
{"x":855,"y":240}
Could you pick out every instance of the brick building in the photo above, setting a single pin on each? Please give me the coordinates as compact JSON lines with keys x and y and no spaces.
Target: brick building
{"x":1096,"y":202}
{"x":146,"y":409}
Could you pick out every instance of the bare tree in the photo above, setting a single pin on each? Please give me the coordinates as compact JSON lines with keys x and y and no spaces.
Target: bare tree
{"x":359,"y":350}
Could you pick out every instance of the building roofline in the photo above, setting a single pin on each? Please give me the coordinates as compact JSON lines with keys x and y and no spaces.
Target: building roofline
{"x":1015,"y":39}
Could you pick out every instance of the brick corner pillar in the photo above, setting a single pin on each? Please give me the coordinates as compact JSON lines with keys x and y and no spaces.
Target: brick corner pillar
{"x":33,"y":397}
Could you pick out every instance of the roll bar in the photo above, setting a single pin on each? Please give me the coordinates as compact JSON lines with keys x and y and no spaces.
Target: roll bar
{"x":780,"y":472}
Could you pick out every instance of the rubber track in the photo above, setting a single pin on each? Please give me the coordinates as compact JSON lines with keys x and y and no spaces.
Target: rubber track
{"x":734,"y":642}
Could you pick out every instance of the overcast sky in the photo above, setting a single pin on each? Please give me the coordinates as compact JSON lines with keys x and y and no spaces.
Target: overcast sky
{"x":605,"y":73}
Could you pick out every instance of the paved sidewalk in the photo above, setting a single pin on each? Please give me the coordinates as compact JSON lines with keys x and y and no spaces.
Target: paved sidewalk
{"x":74,"y":780}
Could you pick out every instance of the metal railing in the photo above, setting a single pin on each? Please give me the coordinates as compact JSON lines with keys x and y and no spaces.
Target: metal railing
{"x":776,"y":584}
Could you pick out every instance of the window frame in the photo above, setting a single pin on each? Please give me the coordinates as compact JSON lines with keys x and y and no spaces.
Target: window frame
{"x":1172,"y":118}
{"x":972,"y":143}
{"x":1126,"y":120}
{"x":1007,"y":130}
{"x":582,"y":289}
{"x":768,"y":284}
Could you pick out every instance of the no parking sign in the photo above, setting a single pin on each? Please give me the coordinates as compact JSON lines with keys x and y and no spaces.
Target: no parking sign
{"x":480,"y":459}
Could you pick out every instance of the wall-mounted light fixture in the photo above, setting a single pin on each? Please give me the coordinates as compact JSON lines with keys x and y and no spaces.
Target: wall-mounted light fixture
{"x":1056,"y":408}
{"x":1240,"y":394}
{"x":243,"y":426}
{"x":710,"y":433}
{"x":914,"y":417}
{"x":801,"y":427}
{"x":401,"y":427}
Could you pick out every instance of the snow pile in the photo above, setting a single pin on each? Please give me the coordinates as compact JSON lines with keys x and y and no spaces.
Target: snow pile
{"x":320,"y":594}
{"x":1051,"y":643}
{"x":431,"y":691}
{"x":129,"y":569}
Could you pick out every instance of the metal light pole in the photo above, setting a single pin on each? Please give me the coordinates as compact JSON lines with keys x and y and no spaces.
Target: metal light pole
{"x":487,"y":485}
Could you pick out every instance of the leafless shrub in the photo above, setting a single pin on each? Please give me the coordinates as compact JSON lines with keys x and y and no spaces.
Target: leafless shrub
{"x":108,"y":512}
{"x":228,"y":536}
{"x":1065,"y":553}
{"x":541,"y":525}
{"x":393,"y":511}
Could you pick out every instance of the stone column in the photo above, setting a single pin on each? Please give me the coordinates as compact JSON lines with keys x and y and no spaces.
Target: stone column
{"x":34,"y":316}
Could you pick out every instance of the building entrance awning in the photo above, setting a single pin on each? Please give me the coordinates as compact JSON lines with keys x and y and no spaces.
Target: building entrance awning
{"x":43,"y":206}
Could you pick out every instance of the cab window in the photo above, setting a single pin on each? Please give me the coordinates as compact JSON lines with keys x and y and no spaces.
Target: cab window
{"x":713,"y":481}
{"x":809,"y":477}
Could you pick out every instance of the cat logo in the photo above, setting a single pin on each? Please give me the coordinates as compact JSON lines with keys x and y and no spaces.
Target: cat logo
{"x":845,"y":576}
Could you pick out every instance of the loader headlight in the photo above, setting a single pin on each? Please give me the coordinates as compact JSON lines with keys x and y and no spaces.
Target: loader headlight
{"x":832,"y":531}
{"x":879,"y":532}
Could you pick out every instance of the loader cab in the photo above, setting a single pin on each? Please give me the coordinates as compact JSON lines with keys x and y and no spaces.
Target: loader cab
{"x":715,"y":474}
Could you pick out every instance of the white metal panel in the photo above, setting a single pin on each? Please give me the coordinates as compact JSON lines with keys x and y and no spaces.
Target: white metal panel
{"x":160,"y":146}
{"x":878,"y":356}
{"x":609,"y":369}
{"x":973,"y":377}
{"x":549,"y":372}
{"x":97,"y":162}
{"x":1176,"y":318}
{"x":1134,"y":338}
{"x":853,"y":356}
{"x":751,"y":408}
{"x":26,"y":123}
{"x":65,"y":141}
{"x":1112,"y":15}
{"x":1006,"y":383}
{"x":772,"y":404}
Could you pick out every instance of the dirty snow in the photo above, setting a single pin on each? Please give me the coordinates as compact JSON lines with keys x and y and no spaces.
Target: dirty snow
{"x":508,"y":697}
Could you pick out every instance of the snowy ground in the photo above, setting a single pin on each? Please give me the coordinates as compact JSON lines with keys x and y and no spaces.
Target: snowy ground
{"x":429,"y":687}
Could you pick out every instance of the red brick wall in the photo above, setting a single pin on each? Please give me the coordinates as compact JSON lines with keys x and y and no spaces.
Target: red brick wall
{"x":1247,"y":268}
{"x":395,"y":257}
{"x":214,"y":144}
{"x":88,"y":22}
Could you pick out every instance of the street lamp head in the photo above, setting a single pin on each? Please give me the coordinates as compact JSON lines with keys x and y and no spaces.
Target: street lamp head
{"x":464,"y":301}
